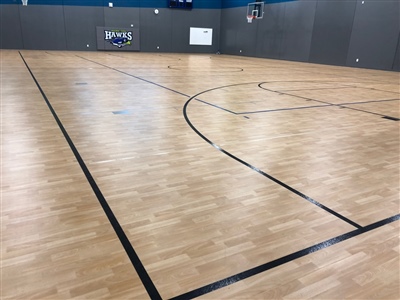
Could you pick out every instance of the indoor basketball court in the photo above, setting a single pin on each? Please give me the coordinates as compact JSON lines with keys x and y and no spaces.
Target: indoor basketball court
{"x":134,"y":175}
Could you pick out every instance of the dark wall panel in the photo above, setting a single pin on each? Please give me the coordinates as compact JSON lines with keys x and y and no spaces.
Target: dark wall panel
{"x":228,"y":42}
{"x":270,"y":31}
{"x":229,"y":27}
{"x":247,"y":39}
{"x":375,"y":34}
{"x":237,"y":36}
{"x":155,"y":30}
{"x":123,"y":17}
{"x":396,"y":61}
{"x":297,"y":30}
{"x":80,"y":26}
{"x":332,"y":31}
{"x":43,"y":27}
{"x":10,"y":28}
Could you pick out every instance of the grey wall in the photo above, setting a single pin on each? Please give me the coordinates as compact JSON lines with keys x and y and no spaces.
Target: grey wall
{"x":43,"y":27}
{"x":270,"y":31}
{"x":169,"y":31}
{"x":10,"y":27}
{"x":374,"y":35}
{"x":285,"y":32}
{"x":59,"y":27}
{"x":82,"y":33}
{"x":333,"y":32}
{"x":396,"y":61}
{"x":297,"y":30}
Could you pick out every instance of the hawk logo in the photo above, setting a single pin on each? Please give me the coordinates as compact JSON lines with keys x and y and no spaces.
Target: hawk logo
{"x":118,"y":38}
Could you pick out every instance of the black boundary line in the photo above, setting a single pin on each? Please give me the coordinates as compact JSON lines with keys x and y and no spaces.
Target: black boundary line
{"x":343,"y":87}
{"x":391,"y":118}
{"x":365,"y":111}
{"x":134,"y":258}
{"x":343,"y":218}
{"x":164,"y":87}
{"x":325,"y":102}
{"x":227,"y":153}
{"x":371,"y":101}
{"x":295,"y":108}
{"x":242,"y":113}
{"x":313,"y":106}
{"x":122,"y":72}
{"x":219,"y":284}
{"x":230,"y":71}
{"x":375,"y":89}
{"x":316,"y":89}
{"x":283,"y":109}
{"x":282,"y":260}
{"x":285,"y":259}
{"x":216,"y":106}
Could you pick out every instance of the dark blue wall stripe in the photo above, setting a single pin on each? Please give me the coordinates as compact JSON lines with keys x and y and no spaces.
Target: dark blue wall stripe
{"x":79,"y":2}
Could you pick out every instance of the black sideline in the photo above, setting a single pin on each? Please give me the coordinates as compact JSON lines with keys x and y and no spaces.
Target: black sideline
{"x":134,"y":258}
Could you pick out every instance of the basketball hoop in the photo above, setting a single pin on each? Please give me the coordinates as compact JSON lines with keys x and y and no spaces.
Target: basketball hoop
{"x":250,"y":18}
{"x":255,"y":11}
{"x":24,"y":2}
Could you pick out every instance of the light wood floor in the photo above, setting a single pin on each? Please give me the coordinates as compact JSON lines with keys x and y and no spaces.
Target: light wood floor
{"x":231,"y":178}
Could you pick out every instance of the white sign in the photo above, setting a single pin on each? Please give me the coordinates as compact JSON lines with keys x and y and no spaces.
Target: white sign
{"x":201,"y":36}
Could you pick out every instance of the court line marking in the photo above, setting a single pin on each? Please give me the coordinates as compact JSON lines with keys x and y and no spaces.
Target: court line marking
{"x":312,"y":106}
{"x":337,"y":88}
{"x":218,"y":284}
{"x":270,"y":177}
{"x":326,"y":102}
{"x":137,"y":77}
{"x":216,"y":71}
{"x":130,"y":251}
{"x":242,"y":59}
{"x":282,"y":260}
{"x":219,"y":107}
{"x":229,"y":154}
{"x":282,"y":109}
{"x":316,"y":89}
{"x":285,"y":259}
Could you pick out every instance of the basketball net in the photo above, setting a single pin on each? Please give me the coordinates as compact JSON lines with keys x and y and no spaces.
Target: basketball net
{"x":24,"y":2}
{"x":250,"y":18}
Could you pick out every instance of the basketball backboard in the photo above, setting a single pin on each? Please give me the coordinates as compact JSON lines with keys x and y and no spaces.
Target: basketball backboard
{"x":255,"y":10}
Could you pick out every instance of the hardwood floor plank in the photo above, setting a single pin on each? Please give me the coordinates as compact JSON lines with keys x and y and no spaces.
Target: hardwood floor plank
{"x":192,"y":213}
